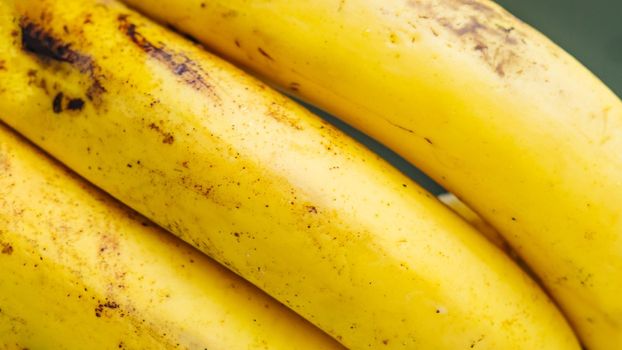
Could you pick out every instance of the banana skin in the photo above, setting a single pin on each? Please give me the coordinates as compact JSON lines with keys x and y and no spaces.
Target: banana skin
{"x":80,"y":270}
{"x":260,"y":184}
{"x":459,"y":207}
{"x":483,"y":103}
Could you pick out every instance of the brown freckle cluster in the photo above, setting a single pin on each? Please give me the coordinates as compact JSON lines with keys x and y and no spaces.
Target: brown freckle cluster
{"x":75,"y":104}
{"x":496,"y":44}
{"x":38,"y":41}
{"x":167,"y":137}
{"x":107,"y":305}
{"x":57,"y":103}
{"x":7,"y":249}
{"x":178,"y":63}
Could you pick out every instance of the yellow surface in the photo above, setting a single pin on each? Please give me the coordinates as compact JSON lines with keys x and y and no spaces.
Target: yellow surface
{"x":81,"y":271}
{"x":260,"y":184}
{"x":458,"y":207}
{"x":488,"y":107}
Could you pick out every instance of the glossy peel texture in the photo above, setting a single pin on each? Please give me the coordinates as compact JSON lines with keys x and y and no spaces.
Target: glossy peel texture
{"x":260,"y":184}
{"x":81,"y":270}
{"x":484,"y":104}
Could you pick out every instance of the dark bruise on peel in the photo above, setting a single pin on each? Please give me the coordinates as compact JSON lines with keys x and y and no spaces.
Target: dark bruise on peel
{"x":179,"y":64}
{"x":57,"y":103}
{"x":6,"y":249}
{"x":36,"y":40}
{"x":311,"y":209}
{"x":481,"y":27}
{"x":167,"y":137}
{"x":75,"y":104}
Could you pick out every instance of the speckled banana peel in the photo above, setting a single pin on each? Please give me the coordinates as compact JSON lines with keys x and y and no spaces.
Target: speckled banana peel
{"x":260,"y":184}
{"x":483,"y":103}
{"x":79,"y":270}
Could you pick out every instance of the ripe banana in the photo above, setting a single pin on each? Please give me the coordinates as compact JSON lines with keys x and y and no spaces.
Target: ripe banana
{"x":460,"y":208}
{"x":260,"y":184}
{"x":483,"y":103}
{"x":80,"y":270}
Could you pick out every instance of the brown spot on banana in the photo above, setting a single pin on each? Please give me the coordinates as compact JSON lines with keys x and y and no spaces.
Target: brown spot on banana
{"x":6,"y":248}
{"x":282,"y":115}
{"x":110,"y":305}
{"x":480,"y":27}
{"x":178,"y":63}
{"x":311,"y":209}
{"x":167,"y":137}
{"x":58,"y":103}
{"x":75,"y":104}
{"x":265,"y":54}
{"x":42,"y":43}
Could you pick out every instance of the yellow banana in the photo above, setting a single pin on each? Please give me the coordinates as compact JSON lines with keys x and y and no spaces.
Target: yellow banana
{"x":460,"y":208}
{"x":80,"y":271}
{"x":260,"y":184}
{"x":483,"y":103}
{"x":466,"y":213}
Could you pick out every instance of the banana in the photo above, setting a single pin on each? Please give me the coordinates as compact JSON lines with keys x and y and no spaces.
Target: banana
{"x":459,"y":207}
{"x":483,"y":103}
{"x":466,"y":213}
{"x":80,"y":270}
{"x":260,"y":184}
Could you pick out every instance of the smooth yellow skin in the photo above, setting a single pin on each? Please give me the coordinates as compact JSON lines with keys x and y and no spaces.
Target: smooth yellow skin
{"x":81,"y":271}
{"x":483,"y":103}
{"x":260,"y":184}
{"x":460,"y":208}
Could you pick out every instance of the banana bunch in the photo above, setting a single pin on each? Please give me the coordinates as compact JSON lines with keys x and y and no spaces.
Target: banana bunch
{"x":272,"y":192}
{"x":81,"y":271}
{"x":483,"y":103}
{"x":465,"y":212}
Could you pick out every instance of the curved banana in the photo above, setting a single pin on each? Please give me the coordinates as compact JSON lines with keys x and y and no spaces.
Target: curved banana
{"x":81,"y":271}
{"x":459,"y":207}
{"x":483,"y":103}
{"x":260,"y":184}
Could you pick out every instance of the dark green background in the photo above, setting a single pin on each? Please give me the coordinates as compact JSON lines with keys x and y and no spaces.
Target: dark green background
{"x":590,"y":30}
